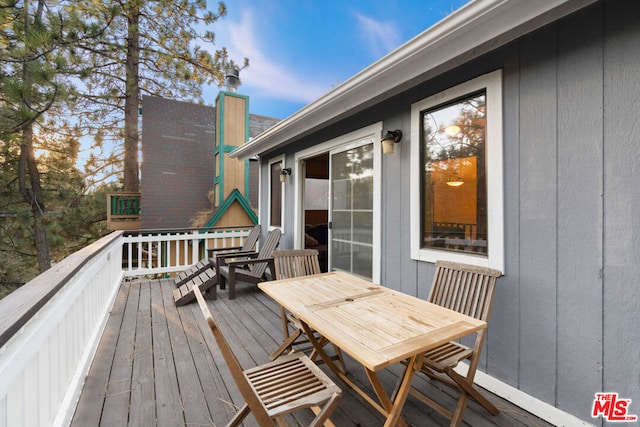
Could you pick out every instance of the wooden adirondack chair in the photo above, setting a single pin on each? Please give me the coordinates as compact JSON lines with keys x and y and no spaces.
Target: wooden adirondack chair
{"x":248,"y":246}
{"x":469,"y":290}
{"x":191,"y":272}
{"x":277,"y":388}
{"x":250,"y":267}
{"x":203,"y":273}
{"x":297,"y":263}
{"x":206,"y":280}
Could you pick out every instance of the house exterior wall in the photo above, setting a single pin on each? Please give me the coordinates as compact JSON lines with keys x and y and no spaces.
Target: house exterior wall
{"x":177,"y":161}
{"x":177,"y":171}
{"x":565,"y":317}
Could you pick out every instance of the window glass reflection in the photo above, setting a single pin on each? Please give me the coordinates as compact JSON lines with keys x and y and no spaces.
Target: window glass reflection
{"x":454,"y":208}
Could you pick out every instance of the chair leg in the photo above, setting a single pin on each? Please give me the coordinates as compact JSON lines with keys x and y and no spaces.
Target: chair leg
{"x":280,"y":421}
{"x":343,"y":368}
{"x":286,"y":344}
{"x":239,"y":416}
{"x":472,"y":391}
{"x":322,"y":341}
{"x":456,"y":419}
{"x":232,"y":282}
{"x":322,"y":416}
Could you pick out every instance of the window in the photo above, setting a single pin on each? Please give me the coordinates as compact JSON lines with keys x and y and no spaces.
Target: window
{"x":456,"y":186}
{"x":276,"y":194}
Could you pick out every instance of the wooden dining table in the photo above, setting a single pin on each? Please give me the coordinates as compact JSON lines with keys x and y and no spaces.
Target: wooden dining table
{"x":375,"y":325}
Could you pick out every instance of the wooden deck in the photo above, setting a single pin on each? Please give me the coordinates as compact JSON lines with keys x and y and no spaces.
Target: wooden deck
{"x":157,"y":364}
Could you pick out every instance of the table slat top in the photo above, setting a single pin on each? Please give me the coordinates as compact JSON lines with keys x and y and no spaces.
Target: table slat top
{"x":375,"y":325}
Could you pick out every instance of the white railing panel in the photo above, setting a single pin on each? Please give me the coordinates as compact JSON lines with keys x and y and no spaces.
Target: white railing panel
{"x":172,"y":252}
{"x":53,"y":324}
{"x":44,"y":363}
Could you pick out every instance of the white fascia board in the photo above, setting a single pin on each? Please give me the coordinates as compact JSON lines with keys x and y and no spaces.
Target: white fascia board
{"x":474,"y":29}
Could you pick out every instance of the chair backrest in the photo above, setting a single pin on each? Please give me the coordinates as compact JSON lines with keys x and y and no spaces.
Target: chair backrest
{"x":296,"y":263}
{"x":266,"y":250}
{"x":251,"y":239}
{"x":467,"y":289}
{"x":230,"y":358}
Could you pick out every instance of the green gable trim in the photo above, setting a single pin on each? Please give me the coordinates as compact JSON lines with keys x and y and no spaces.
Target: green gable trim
{"x":235,"y":196}
{"x":247,"y":178}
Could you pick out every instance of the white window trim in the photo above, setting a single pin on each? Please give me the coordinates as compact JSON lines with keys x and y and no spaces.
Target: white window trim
{"x":281,"y":160}
{"x":372,"y":133}
{"x":492,"y":83}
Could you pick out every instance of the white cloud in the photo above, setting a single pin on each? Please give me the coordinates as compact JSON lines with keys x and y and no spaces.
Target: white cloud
{"x":380,"y":36}
{"x":264,"y":73}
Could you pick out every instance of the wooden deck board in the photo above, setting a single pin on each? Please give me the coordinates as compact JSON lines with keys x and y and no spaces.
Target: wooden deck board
{"x":192,"y":397}
{"x":118,"y":397}
{"x":168,"y":405}
{"x":142,"y":410}
{"x":157,"y":364}
{"x":89,"y":410}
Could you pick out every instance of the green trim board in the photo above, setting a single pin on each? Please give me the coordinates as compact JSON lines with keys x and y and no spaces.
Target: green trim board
{"x":235,"y":196}
{"x":247,"y":179}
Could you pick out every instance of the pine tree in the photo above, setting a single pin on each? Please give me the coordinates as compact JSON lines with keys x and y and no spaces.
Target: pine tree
{"x":34,"y":70}
{"x":150,"y":48}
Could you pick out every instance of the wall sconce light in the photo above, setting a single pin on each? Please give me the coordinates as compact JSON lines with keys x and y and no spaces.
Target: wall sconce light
{"x":283,"y":174}
{"x":391,"y":138}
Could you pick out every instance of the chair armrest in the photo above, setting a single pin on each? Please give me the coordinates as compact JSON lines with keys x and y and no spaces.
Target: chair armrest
{"x":244,"y":257}
{"x":249,"y":261}
{"x":211,"y":251}
{"x":236,"y":254}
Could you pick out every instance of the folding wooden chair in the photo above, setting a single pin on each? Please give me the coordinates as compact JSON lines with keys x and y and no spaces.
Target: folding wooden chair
{"x":249,"y":267}
{"x":469,"y":290}
{"x":277,"y":388}
{"x":297,"y":263}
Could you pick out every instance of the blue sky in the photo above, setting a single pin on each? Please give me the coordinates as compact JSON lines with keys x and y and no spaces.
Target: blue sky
{"x":300,"y":49}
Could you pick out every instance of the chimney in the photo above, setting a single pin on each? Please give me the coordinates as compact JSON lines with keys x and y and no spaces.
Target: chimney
{"x":232,"y":79}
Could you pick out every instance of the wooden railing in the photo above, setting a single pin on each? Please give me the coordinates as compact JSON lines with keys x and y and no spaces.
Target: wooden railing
{"x":51,"y":326}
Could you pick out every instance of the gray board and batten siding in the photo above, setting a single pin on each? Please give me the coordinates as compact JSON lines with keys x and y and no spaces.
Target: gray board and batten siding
{"x":565,"y":321}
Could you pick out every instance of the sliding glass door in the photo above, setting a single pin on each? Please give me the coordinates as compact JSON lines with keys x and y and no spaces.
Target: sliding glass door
{"x":351,"y":212}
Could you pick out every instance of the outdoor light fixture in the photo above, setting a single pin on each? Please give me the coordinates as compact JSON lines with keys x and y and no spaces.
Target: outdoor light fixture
{"x":283,"y":174}
{"x":391,"y":138}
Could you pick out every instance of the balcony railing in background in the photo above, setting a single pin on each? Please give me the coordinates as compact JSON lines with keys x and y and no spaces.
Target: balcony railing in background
{"x":149,"y":252}
{"x":123,"y":211}
{"x":50,"y":327}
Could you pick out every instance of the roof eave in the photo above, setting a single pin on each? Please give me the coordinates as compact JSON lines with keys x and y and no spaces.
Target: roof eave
{"x":476,"y":28}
